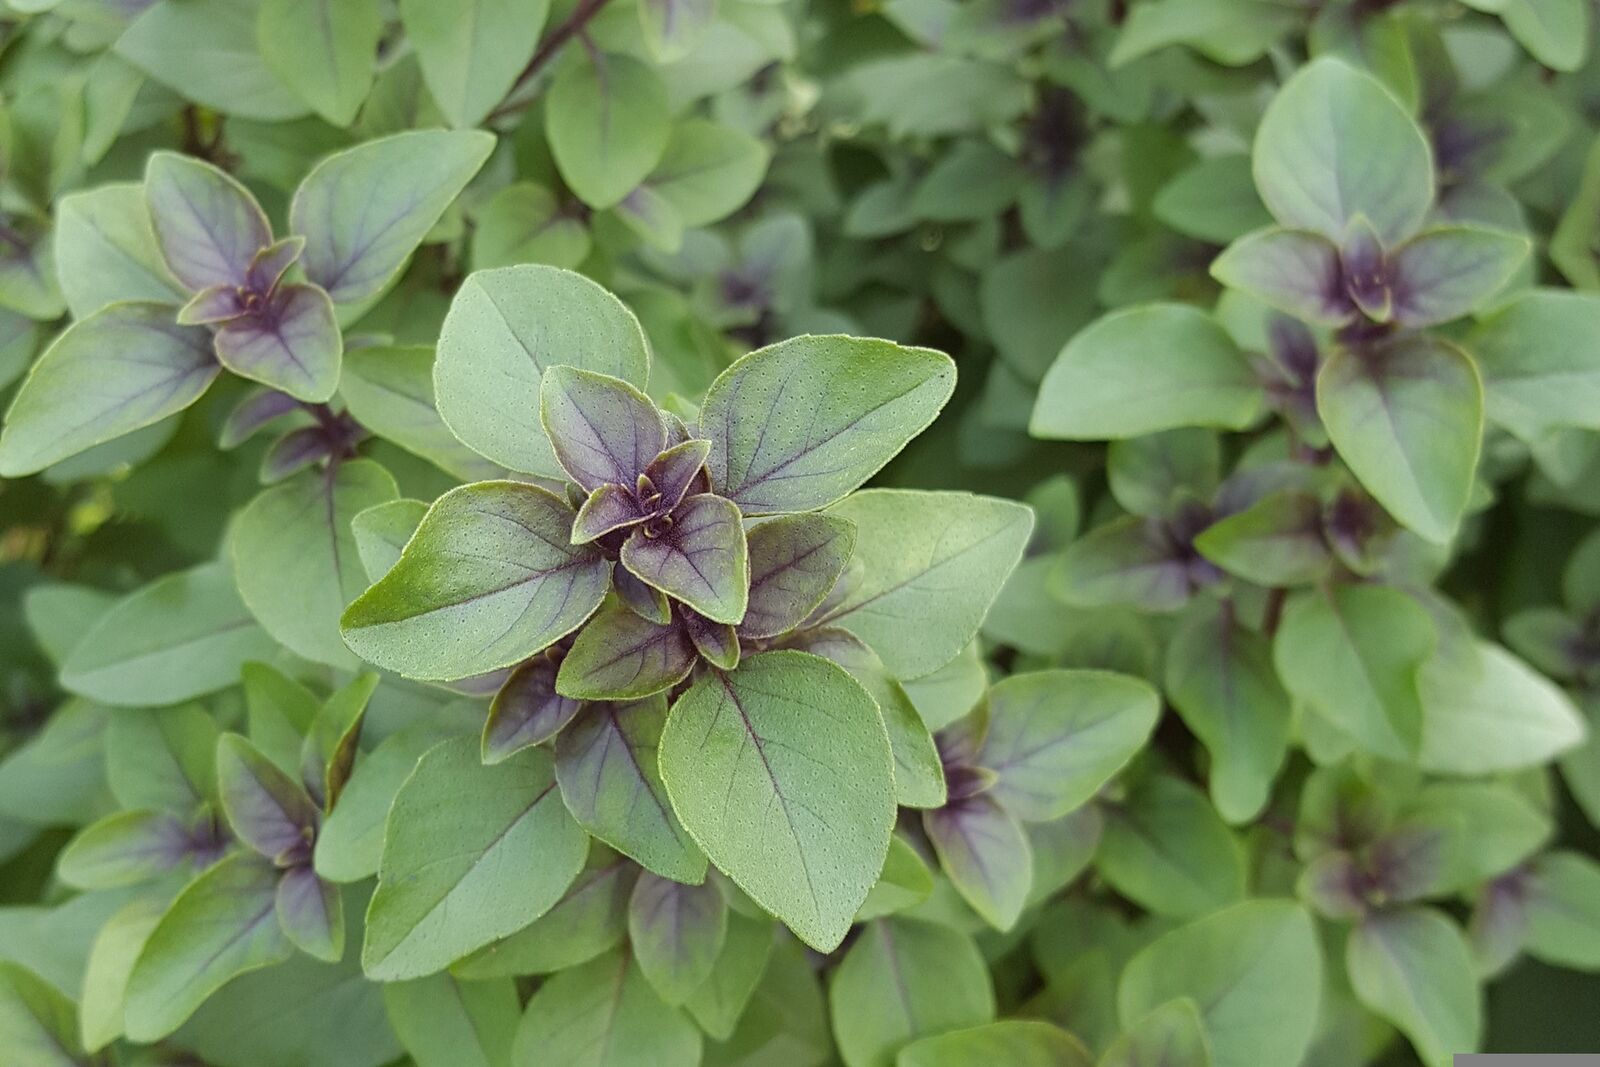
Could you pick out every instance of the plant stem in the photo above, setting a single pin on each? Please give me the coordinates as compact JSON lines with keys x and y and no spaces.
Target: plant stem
{"x":568,"y":29}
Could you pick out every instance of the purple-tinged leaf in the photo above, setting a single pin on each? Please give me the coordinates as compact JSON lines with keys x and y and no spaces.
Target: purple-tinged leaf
{"x":676,"y":932}
{"x":1055,"y":737}
{"x":610,"y":507}
{"x":1417,"y":859}
{"x":601,"y":428}
{"x":267,"y":809}
{"x":124,"y":849}
{"x":1446,"y":273}
{"x":1131,"y":561}
{"x":1499,"y":925}
{"x":794,"y":562}
{"x":1293,"y":270}
{"x":1407,"y":417}
{"x":273,"y":262}
{"x":121,"y":369}
{"x":311,"y":913}
{"x":797,"y":425}
{"x":211,"y":305}
{"x":1334,"y":884}
{"x":329,"y":752}
{"x":489,"y":578}
{"x":293,"y":453}
{"x":672,"y":28}
{"x":717,"y":642}
{"x":208,"y":226}
{"x":258,"y":409}
{"x":1276,"y":541}
{"x":985,"y":854}
{"x":620,"y":655}
{"x":1365,"y":267}
{"x":363,"y":211}
{"x":291,"y":342}
{"x":643,"y":600}
{"x":671,"y":475}
{"x":527,"y":710}
{"x":611,"y":782}
{"x":700,"y":558}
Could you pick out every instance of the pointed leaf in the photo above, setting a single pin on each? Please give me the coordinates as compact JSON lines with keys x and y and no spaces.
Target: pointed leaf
{"x":621,"y":656}
{"x":1056,"y":737}
{"x":504,"y":329}
{"x":208,"y":226}
{"x":608,"y":766}
{"x":702,"y":559}
{"x":311,"y":913}
{"x":292,"y":344}
{"x":1413,"y":967}
{"x":717,"y":642}
{"x":179,"y":637}
{"x":222,"y":925}
{"x":322,"y":49}
{"x":720,"y":1001}
{"x":526,"y":711}
{"x":1165,"y":848}
{"x":471,"y":853}
{"x":607,"y":122}
{"x":985,"y":854}
{"x":1016,"y":1042}
{"x":1295,"y":271}
{"x":1534,"y":379}
{"x":1407,"y":416}
{"x":115,"y":950}
{"x":1335,"y":143}
{"x":106,"y":250}
{"x":445,"y":1022}
{"x":295,"y":558}
{"x":489,"y":578}
{"x":1132,"y":561}
{"x":126,"y":848}
{"x":797,"y":425}
{"x":1144,"y":369}
{"x":601,"y":428}
{"x":676,"y":932}
{"x":37,"y":1023}
{"x":389,"y":390}
{"x":937,"y":557}
{"x":1445,"y":273}
{"x":591,"y":918}
{"x":350,"y":843}
{"x":363,"y":211}
{"x":381,"y":533}
{"x":1169,"y":1035}
{"x":125,"y":367}
{"x":608,"y":508}
{"x":471,"y":53}
{"x":1465,"y":727}
{"x":902,"y":980}
{"x":267,"y":809}
{"x":162,"y":758}
{"x":794,"y":562}
{"x":604,"y":1014}
{"x":797,"y":815}
{"x":1276,"y":541}
{"x":329,"y":751}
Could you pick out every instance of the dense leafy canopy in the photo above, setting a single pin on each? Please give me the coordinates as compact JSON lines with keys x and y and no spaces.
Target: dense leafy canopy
{"x":1033,"y":533}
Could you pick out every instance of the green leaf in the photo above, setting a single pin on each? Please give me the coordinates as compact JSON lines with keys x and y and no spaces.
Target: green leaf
{"x":984,"y":852}
{"x":222,"y":925}
{"x":1334,"y":144}
{"x":590,"y":918}
{"x":1214,"y":199}
{"x":1563,"y":908}
{"x":179,"y":637}
{"x":38,"y":1026}
{"x":471,"y":853}
{"x":1556,"y":32}
{"x":111,"y":959}
{"x":329,"y":751}
{"x":1254,"y":968}
{"x":524,"y":223}
{"x":1414,"y":968}
{"x":607,"y":765}
{"x":106,"y":250}
{"x":607,"y":120}
{"x":1144,"y":369}
{"x":702,"y":560}
{"x":675,"y":932}
{"x":902,"y":980}
{"x":472,"y":52}
{"x":796,"y":425}
{"x":381,"y":533}
{"x":322,"y":49}
{"x":207,"y":51}
{"x":389,"y":390}
{"x":1171,"y":1034}
{"x":1056,"y":737}
{"x":162,"y":758}
{"x":1465,"y":728}
{"x":1444,"y":273}
{"x":1016,"y":1042}
{"x":749,"y":742}
{"x":1220,"y":678}
{"x":279,"y":710}
{"x":935,"y":556}
{"x":363,"y":211}
{"x":1132,"y":561}
{"x":1278,"y":540}
{"x":720,"y":1001}
{"x":794,"y":562}
{"x":488,"y":579}
{"x":1165,"y":848}
{"x":295,"y":558}
{"x":504,"y":329}
{"x":1534,"y":378}
{"x":604,"y":1014}
{"x":125,"y":848}
{"x":445,"y":1022}
{"x":124,"y":367}
{"x":1353,"y":653}
{"x":57,"y":776}
{"x":708,"y":170}
{"x":350,"y":842}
